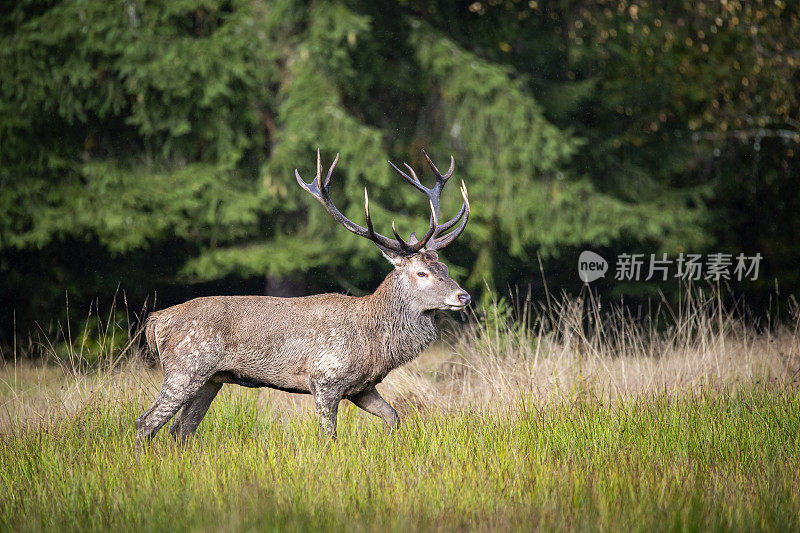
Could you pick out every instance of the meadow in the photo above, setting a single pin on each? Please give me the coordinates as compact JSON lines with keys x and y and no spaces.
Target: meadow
{"x":525,"y":417}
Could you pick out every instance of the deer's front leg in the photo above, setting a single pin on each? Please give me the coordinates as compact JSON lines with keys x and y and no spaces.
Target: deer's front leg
{"x":372,"y":402}
{"x":326,"y":401}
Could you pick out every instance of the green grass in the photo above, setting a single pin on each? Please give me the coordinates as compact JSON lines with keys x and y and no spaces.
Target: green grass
{"x":728,"y":459}
{"x":562,"y":418}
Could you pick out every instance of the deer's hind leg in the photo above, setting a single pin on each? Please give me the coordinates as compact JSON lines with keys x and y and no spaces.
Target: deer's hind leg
{"x":178,"y":389}
{"x":194,"y":410}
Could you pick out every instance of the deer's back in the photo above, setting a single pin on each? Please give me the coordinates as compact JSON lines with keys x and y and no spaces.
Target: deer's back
{"x":266,"y":338}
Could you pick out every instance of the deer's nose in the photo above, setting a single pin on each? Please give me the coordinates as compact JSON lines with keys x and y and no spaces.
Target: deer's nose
{"x":464,"y":298}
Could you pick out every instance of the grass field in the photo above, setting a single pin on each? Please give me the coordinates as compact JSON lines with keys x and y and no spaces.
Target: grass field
{"x":512,"y":425}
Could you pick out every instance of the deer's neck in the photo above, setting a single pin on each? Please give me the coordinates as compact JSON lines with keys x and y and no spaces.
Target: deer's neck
{"x":402,"y":329}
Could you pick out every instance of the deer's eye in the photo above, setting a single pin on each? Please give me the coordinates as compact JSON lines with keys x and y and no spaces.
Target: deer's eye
{"x":422,"y":274}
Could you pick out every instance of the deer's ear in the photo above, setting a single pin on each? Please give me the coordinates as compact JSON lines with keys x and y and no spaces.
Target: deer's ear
{"x":393,"y":257}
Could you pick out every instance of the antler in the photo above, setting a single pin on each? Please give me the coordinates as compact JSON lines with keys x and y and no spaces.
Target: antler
{"x":319,"y":190}
{"x":433,"y":238}
{"x":434,"y":195}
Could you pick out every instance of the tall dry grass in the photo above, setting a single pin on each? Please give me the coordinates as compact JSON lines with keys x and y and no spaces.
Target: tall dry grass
{"x":578,"y":345}
{"x":508,"y":349}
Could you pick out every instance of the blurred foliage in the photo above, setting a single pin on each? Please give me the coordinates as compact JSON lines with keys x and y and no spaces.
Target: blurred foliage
{"x":152,"y":144}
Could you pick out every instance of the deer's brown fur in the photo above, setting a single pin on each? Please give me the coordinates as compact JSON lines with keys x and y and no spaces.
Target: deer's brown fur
{"x":330,"y":345}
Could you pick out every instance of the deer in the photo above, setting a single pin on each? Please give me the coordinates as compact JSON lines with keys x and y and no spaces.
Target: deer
{"x":332,"y":346}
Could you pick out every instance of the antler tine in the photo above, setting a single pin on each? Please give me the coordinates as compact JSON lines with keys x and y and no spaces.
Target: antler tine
{"x":330,"y":170}
{"x":434,"y":193}
{"x":439,"y":243}
{"x":370,"y":228}
{"x":319,"y":171}
{"x":411,"y":170}
{"x":397,"y":236}
{"x":445,"y":176}
{"x":314,"y":188}
{"x":310,"y":188}
{"x":412,"y":180}
{"x":420,"y":244}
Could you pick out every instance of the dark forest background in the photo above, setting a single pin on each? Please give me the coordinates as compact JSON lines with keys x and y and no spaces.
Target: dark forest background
{"x":148,"y":147}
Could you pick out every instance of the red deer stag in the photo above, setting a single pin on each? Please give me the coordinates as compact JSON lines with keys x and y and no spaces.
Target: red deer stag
{"x":329,"y":345}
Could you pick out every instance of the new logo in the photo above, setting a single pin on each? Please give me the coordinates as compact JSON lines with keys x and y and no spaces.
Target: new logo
{"x":591,"y":266}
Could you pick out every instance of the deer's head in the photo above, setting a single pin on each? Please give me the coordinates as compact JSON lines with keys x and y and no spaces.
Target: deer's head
{"x":428,"y":282}
{"x":416,"y":261}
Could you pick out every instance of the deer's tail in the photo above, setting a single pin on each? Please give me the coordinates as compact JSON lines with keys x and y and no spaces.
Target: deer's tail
{"x":150,"y":333}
